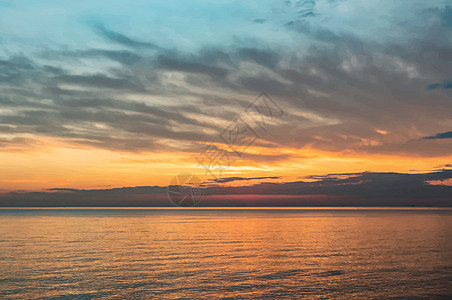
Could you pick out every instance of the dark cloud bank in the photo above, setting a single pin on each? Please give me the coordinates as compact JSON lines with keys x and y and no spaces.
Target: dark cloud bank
{"x":358,"y":189}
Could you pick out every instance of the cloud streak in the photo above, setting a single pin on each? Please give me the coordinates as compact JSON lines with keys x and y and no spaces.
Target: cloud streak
{"x":231,"y":179}
{"x":439,"y":136}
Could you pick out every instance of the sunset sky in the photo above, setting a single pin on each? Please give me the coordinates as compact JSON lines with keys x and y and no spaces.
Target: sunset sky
{"x":110,"y":94}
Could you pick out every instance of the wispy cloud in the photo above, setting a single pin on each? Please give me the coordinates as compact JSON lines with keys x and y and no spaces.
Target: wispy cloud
{"x":230,"y":179}
{"x":123,"y":84}
{"x":120,"y":38}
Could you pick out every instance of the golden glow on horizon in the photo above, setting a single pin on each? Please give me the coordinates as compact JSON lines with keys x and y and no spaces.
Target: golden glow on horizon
{"x":57,"y":165}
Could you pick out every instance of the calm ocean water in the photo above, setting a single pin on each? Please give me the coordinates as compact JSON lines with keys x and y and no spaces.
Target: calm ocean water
{"x":223,"y":253}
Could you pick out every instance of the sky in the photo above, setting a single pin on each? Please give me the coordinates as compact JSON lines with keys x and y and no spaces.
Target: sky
{"x":279,"y":98}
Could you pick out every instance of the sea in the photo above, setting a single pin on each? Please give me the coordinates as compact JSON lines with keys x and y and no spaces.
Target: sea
{"x":226,"y":253}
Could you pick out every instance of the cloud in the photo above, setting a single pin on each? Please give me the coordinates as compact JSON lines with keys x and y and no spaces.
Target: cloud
{"x":119,"y":38}
{"x":188,"y":65}
{"x":443,"y":85}
{"x":444,"y":166}
{"x":260,"y":21}
{"x":444,"y":135}
{"x":368,"y":189}
{"x":334,"y":80}
{"x":263,"y":57}
{"x":97,"y":81}
{"x":230,"y":179}
{"x":446,"y":16}
{"x":350,"y":189}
